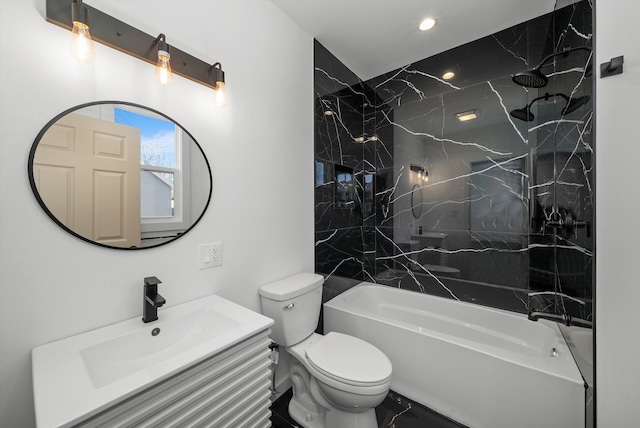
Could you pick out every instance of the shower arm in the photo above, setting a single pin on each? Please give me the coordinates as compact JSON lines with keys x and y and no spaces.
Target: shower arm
{"x":546,"y":97}
{"x":564,"y":52}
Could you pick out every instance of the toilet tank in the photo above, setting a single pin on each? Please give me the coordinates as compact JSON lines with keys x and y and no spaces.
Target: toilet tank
{"x":294,"y":305}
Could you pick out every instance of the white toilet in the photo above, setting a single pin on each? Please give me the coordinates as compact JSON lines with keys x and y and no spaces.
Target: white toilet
{"x":338,"y":380}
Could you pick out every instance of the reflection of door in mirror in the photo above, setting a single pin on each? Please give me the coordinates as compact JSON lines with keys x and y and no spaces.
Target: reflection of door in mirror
{"x":165,"y":153}
{"x":87,"y":172}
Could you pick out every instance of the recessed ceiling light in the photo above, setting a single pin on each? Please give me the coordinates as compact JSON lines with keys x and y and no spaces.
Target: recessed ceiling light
{"x":467,"y":115}
{"x":448,"y":75}
{"x":427,"y":24}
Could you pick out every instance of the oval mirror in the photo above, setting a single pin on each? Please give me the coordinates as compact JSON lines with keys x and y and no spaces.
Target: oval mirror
{"x":120,"y":175}
{"x":416,"y":201}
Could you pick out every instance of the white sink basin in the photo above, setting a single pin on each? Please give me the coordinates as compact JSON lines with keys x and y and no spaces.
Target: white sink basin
{"x":84,"y":374}
{"x":139,"y":349}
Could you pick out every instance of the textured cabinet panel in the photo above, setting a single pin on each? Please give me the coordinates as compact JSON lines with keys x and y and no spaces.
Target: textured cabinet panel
{"x":229,"y":389}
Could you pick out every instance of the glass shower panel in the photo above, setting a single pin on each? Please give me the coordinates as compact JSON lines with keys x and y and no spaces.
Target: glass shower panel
{"x":466,"y":235}
{"x":561,"y":244}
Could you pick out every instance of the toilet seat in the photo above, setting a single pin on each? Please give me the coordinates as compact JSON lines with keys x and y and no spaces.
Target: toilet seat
{"x":349,"y":360}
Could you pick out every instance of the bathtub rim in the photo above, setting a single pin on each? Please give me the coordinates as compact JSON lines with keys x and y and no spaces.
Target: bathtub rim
{"x":568,"y":371}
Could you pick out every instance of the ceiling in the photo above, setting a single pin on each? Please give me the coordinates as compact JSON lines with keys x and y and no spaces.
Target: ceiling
{"x":372,"y":37}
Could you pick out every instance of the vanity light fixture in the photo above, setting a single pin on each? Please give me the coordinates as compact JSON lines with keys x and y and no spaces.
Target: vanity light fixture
{"x":427,"y":24}
{"x":327,"y":105}
{"x":448,"y":75}
{"x":119,"y":35}
{"x":365,"y":138}
{"x":81,"y":43}
{"x":423,"y":174}
{"x":218,"y":83}
{"x":163,"y":67}
{"x":467,"y":115}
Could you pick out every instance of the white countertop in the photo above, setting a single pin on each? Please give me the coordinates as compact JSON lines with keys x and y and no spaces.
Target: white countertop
{"x":79,"y":376}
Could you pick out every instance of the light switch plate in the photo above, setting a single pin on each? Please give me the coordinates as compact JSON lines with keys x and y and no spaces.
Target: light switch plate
{"x":209,"y":255}
{"x":216,"y":254}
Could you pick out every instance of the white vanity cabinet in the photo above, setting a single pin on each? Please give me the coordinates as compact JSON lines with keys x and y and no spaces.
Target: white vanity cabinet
{"x":230,"y":389}
{"x":204,"y":363}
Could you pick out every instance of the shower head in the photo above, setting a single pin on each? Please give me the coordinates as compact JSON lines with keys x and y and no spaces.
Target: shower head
{"x":525,"y":114}
{"x":574,"y":104}
{"x":522,"y":114}
{"x":530,"y":79}
{"x":534,"y":78}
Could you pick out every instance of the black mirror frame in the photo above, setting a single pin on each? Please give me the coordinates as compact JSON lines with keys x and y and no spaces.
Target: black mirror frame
{"x":416,"y":211}
{"x":59,"y":223}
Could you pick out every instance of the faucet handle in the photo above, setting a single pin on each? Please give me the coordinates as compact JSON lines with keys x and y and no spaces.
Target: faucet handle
{"x":151,"y":281}
{"x":156,"y":301}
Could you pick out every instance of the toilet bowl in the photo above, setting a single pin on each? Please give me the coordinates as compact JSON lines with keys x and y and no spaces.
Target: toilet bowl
{"x":346,"y":376}
{"x":337,"y":379}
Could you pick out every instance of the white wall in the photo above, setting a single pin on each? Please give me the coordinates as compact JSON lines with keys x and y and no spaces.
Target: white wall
{"x":617,"y":206}
{"x":260,"y":148}
{"x":53,"y":285}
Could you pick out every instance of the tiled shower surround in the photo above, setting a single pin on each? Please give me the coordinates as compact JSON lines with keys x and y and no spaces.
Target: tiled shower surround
{"x":506,"y":216}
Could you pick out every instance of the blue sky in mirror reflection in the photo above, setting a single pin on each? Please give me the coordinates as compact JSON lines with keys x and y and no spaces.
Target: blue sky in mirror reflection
{"x":158,"y":139}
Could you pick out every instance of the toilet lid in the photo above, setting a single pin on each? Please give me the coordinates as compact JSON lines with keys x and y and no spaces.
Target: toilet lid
{"x":349,"y":360}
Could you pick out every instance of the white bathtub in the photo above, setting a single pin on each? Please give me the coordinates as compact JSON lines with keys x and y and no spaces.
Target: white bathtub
{"x":482,"y":367}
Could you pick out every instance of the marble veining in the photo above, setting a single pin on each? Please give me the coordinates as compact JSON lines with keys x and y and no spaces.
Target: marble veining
{"x":511,"y":197}
{"x":396,"y":411}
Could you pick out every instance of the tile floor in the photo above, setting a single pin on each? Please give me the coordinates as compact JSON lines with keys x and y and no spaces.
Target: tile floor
{"x":395,"y":411}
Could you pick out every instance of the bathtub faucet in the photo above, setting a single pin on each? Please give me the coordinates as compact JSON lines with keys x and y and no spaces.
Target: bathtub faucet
{"x":565,"y":319}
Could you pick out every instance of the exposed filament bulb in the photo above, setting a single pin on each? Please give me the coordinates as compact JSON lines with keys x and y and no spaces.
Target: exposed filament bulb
{"x":163,"y":68}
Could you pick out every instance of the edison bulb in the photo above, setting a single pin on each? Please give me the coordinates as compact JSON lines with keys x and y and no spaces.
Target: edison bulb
{"x":221,"y":95}
{"x":163,"y":68}
{"x":81,"y":43}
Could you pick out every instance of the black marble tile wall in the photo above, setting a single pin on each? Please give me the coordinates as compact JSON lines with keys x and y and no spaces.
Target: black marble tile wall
{"x":506,"y":216}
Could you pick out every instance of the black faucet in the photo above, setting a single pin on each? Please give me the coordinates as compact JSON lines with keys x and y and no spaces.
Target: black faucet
{"x":152,"y":300}
{"x":565,"y":319}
